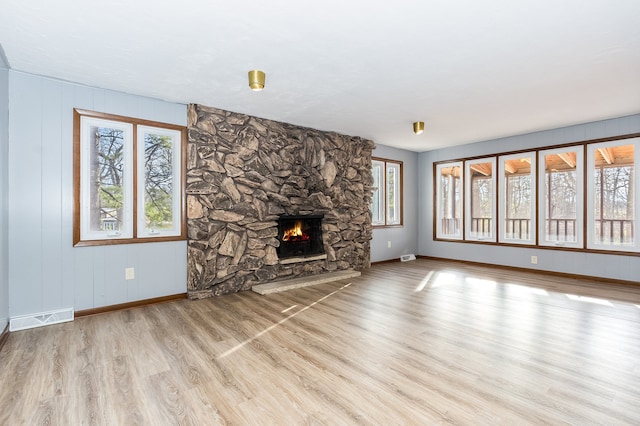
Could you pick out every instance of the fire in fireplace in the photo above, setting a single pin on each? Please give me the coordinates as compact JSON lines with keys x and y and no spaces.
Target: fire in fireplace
{"x":300,"y":236}
{"x":295,"y":234}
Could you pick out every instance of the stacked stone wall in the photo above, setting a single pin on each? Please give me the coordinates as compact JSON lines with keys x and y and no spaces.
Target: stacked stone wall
{"x":243,"y":172}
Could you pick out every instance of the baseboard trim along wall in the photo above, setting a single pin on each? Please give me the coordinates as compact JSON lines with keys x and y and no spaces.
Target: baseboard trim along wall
{"x":380,"y":262}
{"x":539,"y":271}
{"x":130,"y":305}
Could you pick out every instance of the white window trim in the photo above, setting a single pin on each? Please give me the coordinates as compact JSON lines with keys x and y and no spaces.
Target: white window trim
{"x":86,"y":123}
{"x":542,"y":212}
{"x":469,"y":193}
{"x":176,"y":160}
{"x":377,"y":167}
{"x":591,"y":148}
{"x":502,"y":199}
{"x":382,"y":193}
{"x":439,"y":233}
{"x":397,"y":191}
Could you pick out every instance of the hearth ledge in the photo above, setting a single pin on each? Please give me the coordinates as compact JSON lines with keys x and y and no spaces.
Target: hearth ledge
{"x":291,"y":260}
{"x":290,"y":284}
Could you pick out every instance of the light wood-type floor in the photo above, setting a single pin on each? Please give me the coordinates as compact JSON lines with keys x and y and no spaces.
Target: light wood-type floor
{"x":422,"y":342}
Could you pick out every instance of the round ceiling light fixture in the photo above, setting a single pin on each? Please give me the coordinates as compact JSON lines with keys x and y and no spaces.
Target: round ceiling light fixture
{"x":418,"y":127}
{"x":256,"y":80}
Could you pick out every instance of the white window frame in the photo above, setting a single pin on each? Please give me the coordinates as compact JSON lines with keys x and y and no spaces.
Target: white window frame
{"x":502,"y":199}
{"x":469,"y":194}
{"x":381,"y":166}
{"x":377,"y":169}
{"x":591,"y":149}
{"x":86,"y":124}
{"x":542,"y":191}
{"x":176,"y":161}
{"x":458,"y":235}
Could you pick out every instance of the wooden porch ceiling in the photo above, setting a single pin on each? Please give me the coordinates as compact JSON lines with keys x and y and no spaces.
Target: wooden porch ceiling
{"x":621,"y":155}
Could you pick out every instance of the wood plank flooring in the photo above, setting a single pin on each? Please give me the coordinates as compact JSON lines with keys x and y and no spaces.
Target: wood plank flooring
{"x":422,"y":342}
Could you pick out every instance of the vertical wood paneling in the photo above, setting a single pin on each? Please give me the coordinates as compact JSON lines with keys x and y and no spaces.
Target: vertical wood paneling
{"x":133,"y":287}
{"x":51,"y":195}
{"x":4,"y":193}
{"x":81,"y":259}
{"x":45,"y":271}
{"x":115,"y":286}
{"x":83,"y":279}
{"x":25,"y":190}
{"x":68,"y":253}
{"x":98,"y":259}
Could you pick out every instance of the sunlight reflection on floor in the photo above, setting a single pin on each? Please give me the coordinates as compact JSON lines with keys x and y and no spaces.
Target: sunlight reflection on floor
{"x":284,"y":311}
{"x":524,"y":290}
{"x":480,"y":283}
{"x":271,"y":327}
{"x":443,"y":278}
{"x":424,"y":281}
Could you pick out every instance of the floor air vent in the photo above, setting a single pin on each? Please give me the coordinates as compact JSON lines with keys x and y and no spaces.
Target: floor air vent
{"x":24,"y":322}
{"x":407,"y":257}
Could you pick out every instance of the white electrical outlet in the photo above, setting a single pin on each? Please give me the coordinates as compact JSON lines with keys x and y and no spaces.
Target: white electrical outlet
{"x":129,"y":274}
{"x":534,"y":260}
{"x":389,"y":243}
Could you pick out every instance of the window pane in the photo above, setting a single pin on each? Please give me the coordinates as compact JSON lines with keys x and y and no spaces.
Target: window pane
{"x":613,"y":207}
{"x":158,"y":192}
{"x":393,"y":194}
{"x":517,"y":198}
{"x":386,"y":205}
{"x":106,"y":193}
{"x":449,"y":200}
{"x":561,"y":193}
{"x":115,"y":199}
{"x":480,"y":190}
{"x":377,"y":207}
{"x":106,"y":176}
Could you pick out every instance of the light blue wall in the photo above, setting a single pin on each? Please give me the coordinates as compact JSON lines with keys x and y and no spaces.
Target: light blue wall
{"x":44,"y":271}
{"x":591,"y":264}
{"x":404,"y":240}
{"x":4,"y":193}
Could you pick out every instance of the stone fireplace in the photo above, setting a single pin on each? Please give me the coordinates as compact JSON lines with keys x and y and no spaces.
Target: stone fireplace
{"x":246,"y":173}
{"x":300,"y":236}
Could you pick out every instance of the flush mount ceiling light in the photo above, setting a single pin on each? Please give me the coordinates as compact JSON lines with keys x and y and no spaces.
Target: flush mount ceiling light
{"x":418,"y":127}
{"x":256,"y":80}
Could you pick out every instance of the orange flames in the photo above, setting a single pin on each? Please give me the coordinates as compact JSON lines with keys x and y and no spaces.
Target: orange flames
{"x":295,"y":234}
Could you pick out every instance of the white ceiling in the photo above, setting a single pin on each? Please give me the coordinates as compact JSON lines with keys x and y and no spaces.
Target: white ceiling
{"x":472,"y":70}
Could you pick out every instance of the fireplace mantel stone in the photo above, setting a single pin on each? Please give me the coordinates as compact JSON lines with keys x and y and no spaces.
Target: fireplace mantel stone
{"x":243,"y":172}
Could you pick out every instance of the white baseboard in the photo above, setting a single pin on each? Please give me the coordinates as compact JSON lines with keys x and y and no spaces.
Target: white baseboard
{"x":23,"y":322}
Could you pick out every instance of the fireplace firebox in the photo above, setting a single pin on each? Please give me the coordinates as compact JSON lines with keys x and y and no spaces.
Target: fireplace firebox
{"x":300,"y":236}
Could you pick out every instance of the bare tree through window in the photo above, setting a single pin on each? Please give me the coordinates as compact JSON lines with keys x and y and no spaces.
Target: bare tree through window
{"x":107,"y":177}
{"x":158,"y":153}
{"x":129,"y":180}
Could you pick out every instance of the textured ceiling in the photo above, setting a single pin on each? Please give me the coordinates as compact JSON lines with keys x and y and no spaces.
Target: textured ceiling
{"x":472,"y":70}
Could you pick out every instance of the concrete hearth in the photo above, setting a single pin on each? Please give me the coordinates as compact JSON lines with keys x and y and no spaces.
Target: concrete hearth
{"x":283,"y":285}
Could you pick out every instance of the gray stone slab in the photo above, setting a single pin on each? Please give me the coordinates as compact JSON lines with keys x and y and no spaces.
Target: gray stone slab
{"x":276,"y":286}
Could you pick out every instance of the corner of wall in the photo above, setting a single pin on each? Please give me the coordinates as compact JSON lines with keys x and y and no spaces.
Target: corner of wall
{"x":4,"y":226}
